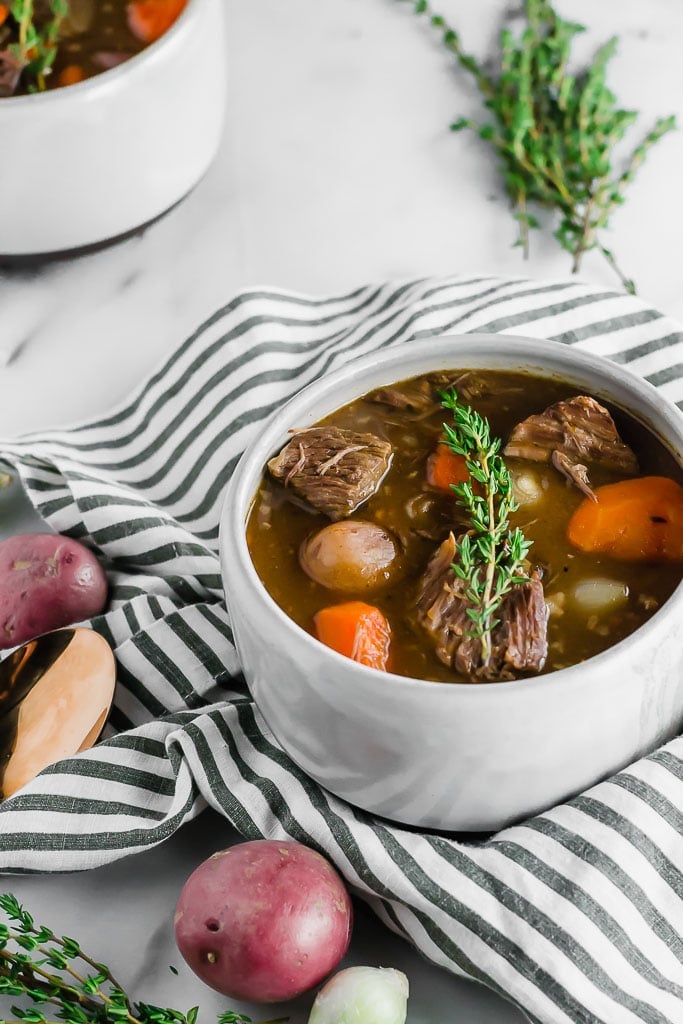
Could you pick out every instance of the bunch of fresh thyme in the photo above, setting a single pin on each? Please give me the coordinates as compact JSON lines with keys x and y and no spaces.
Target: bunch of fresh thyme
{"x":490,"y":553}
{"x":52,"y":972}
{"x":554,"y":130}
{"x":36,"y":47}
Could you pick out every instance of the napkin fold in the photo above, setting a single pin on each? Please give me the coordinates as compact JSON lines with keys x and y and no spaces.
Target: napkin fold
{"x":575,"y":915}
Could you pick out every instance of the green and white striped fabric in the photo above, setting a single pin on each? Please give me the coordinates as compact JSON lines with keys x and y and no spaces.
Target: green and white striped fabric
{"x":575,"y":915}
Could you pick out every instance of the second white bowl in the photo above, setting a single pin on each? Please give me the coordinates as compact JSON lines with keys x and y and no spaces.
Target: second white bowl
{"x":89,"y":162}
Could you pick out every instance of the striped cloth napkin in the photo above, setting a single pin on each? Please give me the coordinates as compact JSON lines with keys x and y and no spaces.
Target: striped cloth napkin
{"x":575,"y":915}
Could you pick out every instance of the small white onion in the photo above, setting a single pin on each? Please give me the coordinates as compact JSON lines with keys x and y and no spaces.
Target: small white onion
{"x":362,"y":995}
{"x":349,"y":556}
{"x":600,"y":594}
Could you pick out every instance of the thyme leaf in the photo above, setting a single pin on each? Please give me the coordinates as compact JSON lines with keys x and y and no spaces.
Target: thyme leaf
{"x":55,"y":976}
{"x":554,"y":130}
{"x":490,"y":553}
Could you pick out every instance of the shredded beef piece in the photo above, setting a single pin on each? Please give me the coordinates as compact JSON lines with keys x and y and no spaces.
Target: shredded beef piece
{"x":333,"y":469}
{"x":441,"y":606}
{"x":418,"y":398}
{"x":469,"y":385}
{"x":576,"y":427}
{"x":519,"y":641}
{"x":423,"y":396}
{"x":575,"y":472}
{"x":523,"y":626}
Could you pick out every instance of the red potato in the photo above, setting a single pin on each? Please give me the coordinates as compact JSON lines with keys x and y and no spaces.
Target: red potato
{"x":46,"y":581}
{"x":264,"y":921}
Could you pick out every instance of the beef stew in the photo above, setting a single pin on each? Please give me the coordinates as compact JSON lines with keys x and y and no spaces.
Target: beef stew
{"x":399,"y":547}
{"x":47,"y":44}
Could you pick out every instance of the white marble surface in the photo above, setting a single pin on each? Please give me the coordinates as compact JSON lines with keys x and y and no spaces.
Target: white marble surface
{"x":337,"y":168}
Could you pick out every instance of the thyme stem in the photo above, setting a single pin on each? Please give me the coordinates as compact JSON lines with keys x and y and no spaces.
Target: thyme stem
{"x":553,"y":131}
{"x":490,"y":567}
{"x":490,"y":553}
{"x":36,"y":46}
{"x":28,"y":950}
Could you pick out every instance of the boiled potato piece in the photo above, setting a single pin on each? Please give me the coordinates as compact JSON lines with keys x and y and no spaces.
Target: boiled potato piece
{"x":600,"y":594}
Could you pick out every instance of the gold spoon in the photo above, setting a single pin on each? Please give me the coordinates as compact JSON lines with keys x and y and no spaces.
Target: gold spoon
{"x":55,"y":695}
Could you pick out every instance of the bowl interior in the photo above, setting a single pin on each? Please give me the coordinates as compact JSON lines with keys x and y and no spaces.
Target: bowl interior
{"x":600,"y":377}
{"x":109,"y":77}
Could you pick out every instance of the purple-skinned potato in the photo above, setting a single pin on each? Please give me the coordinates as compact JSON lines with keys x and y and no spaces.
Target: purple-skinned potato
{"x":264,"y":921}
{"x":46,"y":581}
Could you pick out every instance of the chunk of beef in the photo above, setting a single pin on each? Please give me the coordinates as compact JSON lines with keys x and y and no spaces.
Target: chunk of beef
{"x":424,"y":395}
{"x":579,"y":428}
{"x":521,"y":637}
{"x":415,"y":397}
{"x":333,"y":469}
{"x":519,"y":640}
{"x":442,"y":607}
{"x":469,"y":384}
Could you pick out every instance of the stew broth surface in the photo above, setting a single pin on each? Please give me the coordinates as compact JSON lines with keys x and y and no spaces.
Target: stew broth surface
{"x":422,"y":517}
{"x":105,"y":42}
{"x":93,"y":36}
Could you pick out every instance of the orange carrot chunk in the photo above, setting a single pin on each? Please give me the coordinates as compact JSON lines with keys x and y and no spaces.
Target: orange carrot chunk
{"x":71,"y":74}
{"x":356,"y":630}
{"x":4,"y":13}
{"x":638,"y":520}
{"x":444,"y":468}
{"x":149,"y":19}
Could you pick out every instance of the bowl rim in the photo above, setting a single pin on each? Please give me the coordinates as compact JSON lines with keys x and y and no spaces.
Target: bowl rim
{"x":149,"y":54}
{"x":237,"y":505}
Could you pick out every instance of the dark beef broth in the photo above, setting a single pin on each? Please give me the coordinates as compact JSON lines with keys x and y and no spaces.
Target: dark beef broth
{"x":106,"y":42}
{"x":93,"y":37}
{"x":421,"y":517}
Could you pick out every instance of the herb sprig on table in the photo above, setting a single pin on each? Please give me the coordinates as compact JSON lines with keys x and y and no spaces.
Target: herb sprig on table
{"x":490,"y":553}
{"x":63,"y":984}
{"x":554,"y":129}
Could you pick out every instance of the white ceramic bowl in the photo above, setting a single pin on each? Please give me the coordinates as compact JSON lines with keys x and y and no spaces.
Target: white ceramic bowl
{"x":89,"y":162}
{"x":452,"y":756}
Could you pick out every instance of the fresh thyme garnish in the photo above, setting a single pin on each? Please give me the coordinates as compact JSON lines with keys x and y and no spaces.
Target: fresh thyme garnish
{"x":53,"y":972}
{"x":554,"y":130}
{"x":491,"y":555}
{"x":36,"y":48}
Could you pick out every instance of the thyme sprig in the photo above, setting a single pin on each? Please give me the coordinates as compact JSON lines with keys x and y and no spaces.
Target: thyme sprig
{"x":36,"y":47}
{"x":53,"y":973}
{"x":554,"y":129}
{"x":490,"y":553}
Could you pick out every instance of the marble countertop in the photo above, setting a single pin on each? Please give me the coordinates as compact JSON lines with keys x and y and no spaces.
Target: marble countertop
{"x":336,"y":169}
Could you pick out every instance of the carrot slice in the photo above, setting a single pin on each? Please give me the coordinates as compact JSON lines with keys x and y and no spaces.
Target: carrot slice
{"x":356,"y":630}
{"x":149,"y":19}
{"x":4,"y":13}
{"x":71,"y":74}
{"x":444,"y":468}
{"x":638,"y":520}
